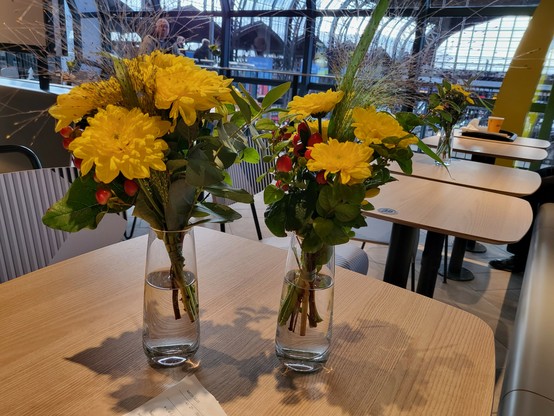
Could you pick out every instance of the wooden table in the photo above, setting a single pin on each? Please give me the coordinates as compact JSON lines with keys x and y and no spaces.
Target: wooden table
{"x":501,"y":179}
{"x":519,"y":141}
{"x":71,"y":341}
{"x":443,"y":209}
{"x":492,"y":148}
{"x":494,"y":178}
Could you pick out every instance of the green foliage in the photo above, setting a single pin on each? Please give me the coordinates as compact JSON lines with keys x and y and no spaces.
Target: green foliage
{"x":78,"y":208}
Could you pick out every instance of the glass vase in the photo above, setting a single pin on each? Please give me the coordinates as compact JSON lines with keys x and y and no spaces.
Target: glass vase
{"x":171,"y":324}
{"x":444,"y":147}
{"x":304,"y":323}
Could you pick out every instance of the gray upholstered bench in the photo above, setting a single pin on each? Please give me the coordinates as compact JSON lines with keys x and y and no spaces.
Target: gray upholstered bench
{"x":528,"y":387}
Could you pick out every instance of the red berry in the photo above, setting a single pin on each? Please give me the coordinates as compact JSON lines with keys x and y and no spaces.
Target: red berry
{"x":66,"y":132}
{"x":130,"y":187}
{"x":77,"y":162}
{"x":320,"y":177}
{"x":315,"y":139}
{"x":298,"y":146}
{"x":66,"y":141}
{"x":281,"y":185}
{"x":102,"y":196}
{"x":283,"y":164}
{"x":304,"y":131}
{"x":308,"y":154}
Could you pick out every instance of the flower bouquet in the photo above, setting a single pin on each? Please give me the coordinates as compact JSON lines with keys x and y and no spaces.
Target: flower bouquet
{"x":159,"y":136}
{"x":325,"y":169}
{"x":446,"y":106}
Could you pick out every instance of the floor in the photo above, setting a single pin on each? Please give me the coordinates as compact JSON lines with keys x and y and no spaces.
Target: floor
{"x":492,"y":296}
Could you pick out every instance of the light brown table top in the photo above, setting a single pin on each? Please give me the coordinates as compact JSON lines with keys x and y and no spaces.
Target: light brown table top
{"x":492,"y":148}
{"x":71,"y":341}
{"x":454,"y":210}
{"x":502,"y":179}
{"x":519,"y":141}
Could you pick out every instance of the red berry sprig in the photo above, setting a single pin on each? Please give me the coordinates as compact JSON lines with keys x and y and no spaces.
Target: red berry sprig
{"x":103,"y":195}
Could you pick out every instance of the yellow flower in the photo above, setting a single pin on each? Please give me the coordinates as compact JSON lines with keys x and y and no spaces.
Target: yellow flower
{"x":461,"y":90}
{"x":372,"y":127}
{"x":314,"y":126}
{"x":120,"y":140}
{"x":184,"y":88}
{"x":349,"y":159}
{"x":83,"y":99}
{"x":316,"y":105}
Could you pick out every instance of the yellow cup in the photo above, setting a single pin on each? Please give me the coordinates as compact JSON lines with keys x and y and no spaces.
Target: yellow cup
{"x":495,"y":124}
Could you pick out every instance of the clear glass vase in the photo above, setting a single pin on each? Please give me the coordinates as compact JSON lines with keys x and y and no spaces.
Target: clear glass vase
{"x":304,"y":323}
{"x":444,"y":147}
{"x":171,"y":324}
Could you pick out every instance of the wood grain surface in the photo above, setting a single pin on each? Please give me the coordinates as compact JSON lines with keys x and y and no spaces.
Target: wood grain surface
{"x":71,"y":341}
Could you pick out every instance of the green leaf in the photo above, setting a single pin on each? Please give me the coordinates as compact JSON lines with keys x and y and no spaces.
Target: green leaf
{"x":201,"y":171}
{"x":251,"y":100}
{"x":266,"y":124}
{"x":312,"y":243}
{"x":425,"y":149}
{"x":250,"y":155}
{"x":227,"y":156}
{"x":218,"y":213}
{"x":224,"y":191}
{"x":272,"y":194}
{"x":77,"y":209}
{"x":243,"y":106}
{"x":405,"y":165}
{"x":182,"y":198}
{"x":274,"y":217}
{"x":409,"y":121}
{"x":323,"y":227}
{"x":275,"y":94}
{"x":346,"y":212}
{"x":326,"y":201}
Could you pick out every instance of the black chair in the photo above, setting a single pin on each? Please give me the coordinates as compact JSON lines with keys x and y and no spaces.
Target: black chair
{"x":14,"y":158}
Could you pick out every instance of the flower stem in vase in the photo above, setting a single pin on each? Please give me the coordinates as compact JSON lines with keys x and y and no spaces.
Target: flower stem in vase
{"x":174,"y":243}
{"x":305,"y":314}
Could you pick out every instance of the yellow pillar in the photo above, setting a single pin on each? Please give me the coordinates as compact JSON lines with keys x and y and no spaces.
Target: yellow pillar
{"x":523,"y":76}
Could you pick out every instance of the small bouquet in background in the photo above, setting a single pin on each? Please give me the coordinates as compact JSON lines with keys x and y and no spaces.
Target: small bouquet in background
{"x":446,"y":107}
{"x":158,"y":135}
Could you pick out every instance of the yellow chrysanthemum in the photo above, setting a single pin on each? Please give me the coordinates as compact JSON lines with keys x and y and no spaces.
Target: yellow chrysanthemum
{"x":120,"y":140}
{"x":314,"y":126}
{"x":371,"y":126}
{"x":184,"y":88}
{"x":317,"y":104}
{"x":349,"y":159}
{"x":82,"y":99}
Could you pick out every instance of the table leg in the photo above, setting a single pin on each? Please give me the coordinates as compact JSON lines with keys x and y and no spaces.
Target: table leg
{"x":399,"y":257}
{"x":455,"y":269}
{"x":475,"y":247}
{"x":430,"y":263}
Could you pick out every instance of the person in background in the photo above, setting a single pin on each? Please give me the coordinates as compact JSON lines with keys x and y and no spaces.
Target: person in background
{"x":159,"y":40}
{"x":520,"y":250}
{"x":203,"y":52}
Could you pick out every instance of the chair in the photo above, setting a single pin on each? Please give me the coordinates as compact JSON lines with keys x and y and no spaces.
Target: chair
{"x":379,"y":231}
{"x":26,"y":244}
{"x":14,"y":157}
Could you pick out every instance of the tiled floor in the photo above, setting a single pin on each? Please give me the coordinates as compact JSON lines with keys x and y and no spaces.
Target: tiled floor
{"x":492,"y":296}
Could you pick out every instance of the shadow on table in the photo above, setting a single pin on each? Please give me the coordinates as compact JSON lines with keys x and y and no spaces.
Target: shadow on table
{"x":249,"y":338}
